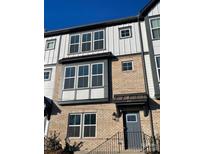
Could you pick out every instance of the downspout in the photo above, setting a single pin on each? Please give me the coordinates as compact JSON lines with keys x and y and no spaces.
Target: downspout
{"x":146,"y":82}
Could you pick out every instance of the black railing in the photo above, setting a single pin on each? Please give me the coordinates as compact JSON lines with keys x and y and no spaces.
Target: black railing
{"x":129,"y":141}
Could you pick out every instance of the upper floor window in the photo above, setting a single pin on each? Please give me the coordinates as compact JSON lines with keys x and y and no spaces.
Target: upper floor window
{"x":155,"y":28}
{"x":125,"y":32}
{"x":47,"y":74}
{"x":50,"y":44}
{"x":87,"y":41}
{"x":97,"y":75}
{"x":157,"y":59}
{"x":69,"y":78}
{"x":127,"y":65}
{"x":74,"y":43}
{"x":83,"y":74}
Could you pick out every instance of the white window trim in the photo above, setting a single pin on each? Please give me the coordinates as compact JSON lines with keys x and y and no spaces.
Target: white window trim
{"x":50,"y":41}
{"x":131,"y":114}
{"x":69,"y":77}
{"x":157,"y":68}
{"x":89,"y":125}
{"x":97,"y":75}
{"x":50,"y":72}
{"x":126,"y":61}
{"x":83,"y":76}
{"x":79,"y":43}
{"x":76,"y":125}
{"x":86,"y":41}
{"x":154,"y":28}
{"x":98,"y":40}
{"x":123,"y":29}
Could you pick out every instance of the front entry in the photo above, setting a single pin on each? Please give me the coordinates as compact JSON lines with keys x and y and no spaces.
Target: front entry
{"x":132,"y":131}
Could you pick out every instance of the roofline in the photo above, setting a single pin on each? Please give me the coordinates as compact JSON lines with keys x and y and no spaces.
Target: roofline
{"x":92,"y":26}
{"x":148,"y":7}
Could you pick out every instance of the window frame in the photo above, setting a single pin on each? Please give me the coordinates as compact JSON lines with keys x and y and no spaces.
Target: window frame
{"x":157,"y":68}
{"x":83,"y":76}
{"x":69,"y":77}
{"x":131,"y":114}
{"x":80,"y":134}
{"x":123,"y":29}
{"x":126,"y":61}
{"x":83,"y":125}
{"x":50,"y":72}
{"x":151,"y":29}
{"x":91,"y":75}
{"x":98,"y":40}
{"x":91,"y":41}
{"x":79,"y":43}
{"x":49,"y":41}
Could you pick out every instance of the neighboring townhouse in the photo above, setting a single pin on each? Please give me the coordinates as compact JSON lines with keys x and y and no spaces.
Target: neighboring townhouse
{"x":101,"y":85}
{"x":50,"y":61}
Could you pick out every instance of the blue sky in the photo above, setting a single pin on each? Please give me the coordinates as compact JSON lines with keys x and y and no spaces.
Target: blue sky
{"x":59,"y":14}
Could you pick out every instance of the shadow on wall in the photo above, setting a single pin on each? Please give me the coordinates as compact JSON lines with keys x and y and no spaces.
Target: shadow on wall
{"x":154,"y":105}
{"x":55,"y":109}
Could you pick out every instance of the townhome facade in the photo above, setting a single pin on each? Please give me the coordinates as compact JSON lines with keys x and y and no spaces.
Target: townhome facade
{"x":100,"y":85}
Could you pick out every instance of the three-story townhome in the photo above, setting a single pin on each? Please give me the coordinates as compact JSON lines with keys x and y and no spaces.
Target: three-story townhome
{"x":100,"y":85}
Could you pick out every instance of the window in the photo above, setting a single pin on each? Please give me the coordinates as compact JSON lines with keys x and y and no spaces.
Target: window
{"x":155,"y":28}
{"x":69,"y":78}
{"x":97,"y":75}
{"x":86,"y":42}
{"x":157,"y":59}
{"x":50,"y":44}
{"x":74,"y":125}
{"x":125,"y":32}
{"x":131,"y":117}
{"x":47,"y":74}
{"x":85,"y":122}
{"x":74,"y":43}
{"x":127,"y":65}
{"x":99,"y":40}
{"x":83,"y":72}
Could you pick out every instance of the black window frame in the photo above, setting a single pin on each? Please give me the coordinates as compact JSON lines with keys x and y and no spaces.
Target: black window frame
{"x":128,"y":61}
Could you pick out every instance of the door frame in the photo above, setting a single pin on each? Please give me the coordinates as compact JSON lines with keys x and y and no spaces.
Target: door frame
{"x":124,"y":125}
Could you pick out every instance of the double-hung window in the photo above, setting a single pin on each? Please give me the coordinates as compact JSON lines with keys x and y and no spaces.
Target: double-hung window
{"x":157,"y":59}
{"x":98,"y":40}
{"x":69,"y":78}
{"x":74,"y":43}
{"x":74,"y":125}
{"x":86,"y":42}
{"x":155,"y":28}
{"x":97,"y":75}
{"x":83,"y":75}
{"x":82,"y":125}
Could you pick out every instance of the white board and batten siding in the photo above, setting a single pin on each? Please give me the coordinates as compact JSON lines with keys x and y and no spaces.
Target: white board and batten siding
{"x":49,"y":84}
{"x":113,"y":43}
{"x":51,"y":56}
{"x":155,"y":10}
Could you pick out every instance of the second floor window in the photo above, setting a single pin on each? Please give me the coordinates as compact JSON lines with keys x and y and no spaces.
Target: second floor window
{"x":87,"y":42}
{"x":97,"y":75}
{"x":50,"y":44}
{"x":83,"y":76}
{"x":47,"y":74}
{"x":69,"y":78}
{"x":155,"y":28}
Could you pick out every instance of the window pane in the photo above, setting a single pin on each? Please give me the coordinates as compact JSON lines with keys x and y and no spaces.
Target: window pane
{"x":159,"y":73}
{"x":70,"y":72}
{"x":50,"y":45}
{"x":86,"y":46}
{"x":90,"y":119}
{"x":97,"y":69}
{"x":75,"y":39}
{"x":86,"y":37}
{"x":74,"y":48}
{"x":74,"y":131}
{"x":98,"y":45}
{"x":155,"y":23}
{"x":83,"y":70}
{"x":97,"y":80}
{"x":82,"y":82}
{"x":125,"y":33}
{"x":158,"y":61}
{"x":131,"y":118}
{"x":74,"y":119}
{"x":156,"y":33}
{"x":89,"y":131}
{"x":46,"y":75}
{"x":69,"y":83}
{"x":98,"y":35}
{"x":126,"y":66}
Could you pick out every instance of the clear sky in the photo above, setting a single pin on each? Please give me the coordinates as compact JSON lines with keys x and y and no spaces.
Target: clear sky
{"x":59,"y":14}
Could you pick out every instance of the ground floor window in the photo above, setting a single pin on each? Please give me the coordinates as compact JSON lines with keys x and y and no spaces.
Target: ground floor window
{"x":82,"y":125}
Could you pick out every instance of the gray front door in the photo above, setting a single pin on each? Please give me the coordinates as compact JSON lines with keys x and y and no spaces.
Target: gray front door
{"x":133,"y":131}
